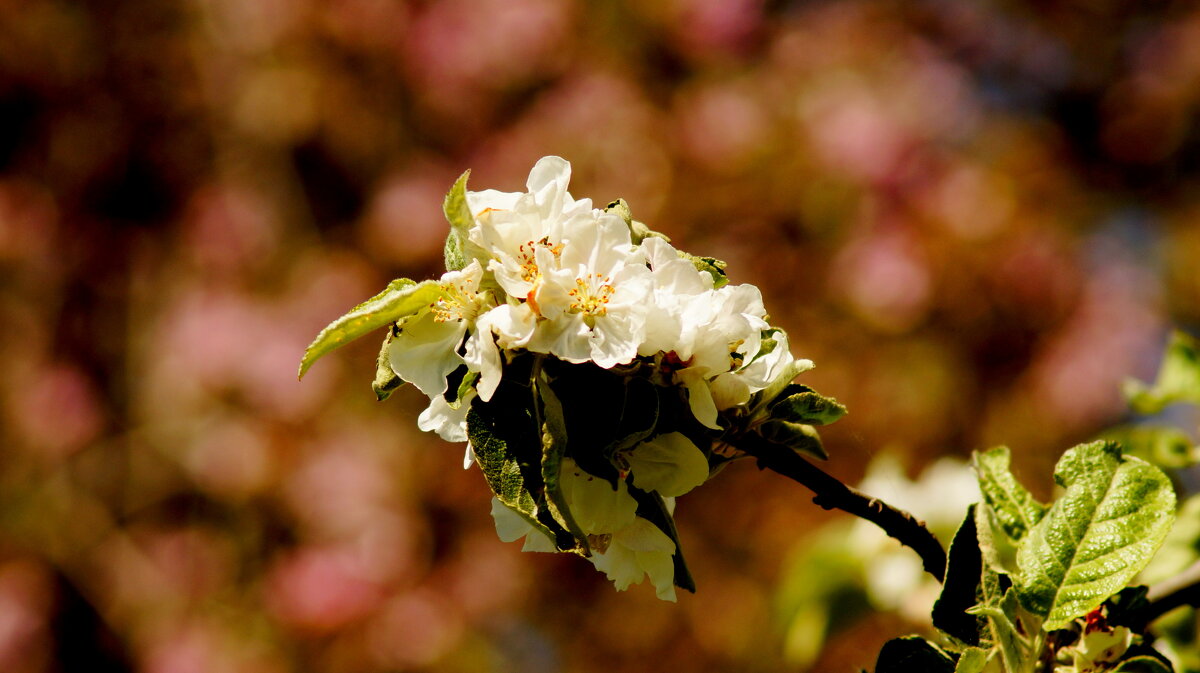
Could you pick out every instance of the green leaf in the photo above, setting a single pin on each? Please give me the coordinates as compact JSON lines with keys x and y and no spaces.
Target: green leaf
{"x":509,"y":453}
{"x":973,"y":660}
{"x":763,"y":399}
{"x":401,"y":299}
{"x":798,"y":437}
{"x":801,"y":404}
{"x":1178,"y":378}
{"x":910,"y":654}
{"x":1002,"y":617}
{"x":1143,"y":664}
{"x":554,"y":447}
{"x":961,"y":590}
{"x":386,"y":381}
{"x":710,"y":265}
{"x":1163,"y":446}
{"x":1104,"y":529}
{"x":1014,"y":507}
{"x":458,"y":214}
{"x":998,"y":549}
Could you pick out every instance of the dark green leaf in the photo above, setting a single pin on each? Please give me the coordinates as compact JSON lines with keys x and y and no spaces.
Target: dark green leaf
{"x":650,"y":506}
{"x":1144,"y":664}
{"x":962,"y":590}
{"x":801,"y":404}
{"x":401,"y":299}
{"x":1015,"y":507}
{"x":1104,"y":529}
{"x":911,"y":654}
{"x":1178,"y":378}
{"x":509,"y":452}
{"x":796,"y":436}
{"x":386,"y":380}
{"x":554,"y":447}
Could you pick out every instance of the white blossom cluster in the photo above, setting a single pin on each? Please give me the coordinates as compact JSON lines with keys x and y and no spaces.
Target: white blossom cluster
{"x":553,"y":275}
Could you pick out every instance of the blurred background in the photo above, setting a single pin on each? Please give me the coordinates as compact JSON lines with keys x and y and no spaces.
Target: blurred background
{"x":976,"y":217}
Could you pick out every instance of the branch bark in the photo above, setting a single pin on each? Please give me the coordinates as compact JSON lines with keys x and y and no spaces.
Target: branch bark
{"x":831,"y":493}
{"x":1182,"y":589}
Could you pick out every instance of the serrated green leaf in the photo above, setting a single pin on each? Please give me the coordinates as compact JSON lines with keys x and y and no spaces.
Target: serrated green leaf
{"x":400,"y":299}
{"x":974,"y":660}
{"x":798,"y":437}
{"x":1014,"y":507}
{"x":910,"y":654}
{"x":458,"y":214}
{"x":961,"y":589}
{"x":1178,"y":378}
{"x":509,"y":453}
{"x":1114,"y":515}
{"x":806,"y":406}
{"x":554,"y":447}
{"x":386,"y":381}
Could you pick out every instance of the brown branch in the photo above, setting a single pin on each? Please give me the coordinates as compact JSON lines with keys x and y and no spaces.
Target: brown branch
{"x":833,"y":494}
{"x":1182,"y":589}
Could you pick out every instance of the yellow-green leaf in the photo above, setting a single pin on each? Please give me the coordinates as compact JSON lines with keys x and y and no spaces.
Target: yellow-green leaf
{"x":399,"y":300}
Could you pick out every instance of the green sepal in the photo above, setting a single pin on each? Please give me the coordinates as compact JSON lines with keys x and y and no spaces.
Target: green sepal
{"x":961,"y":589}
{"x":1105,"y":528}
{"x":913,"y":653}
{"x":974,"y":660}
{"x":638,"y":231}
{"x":1003,"y":617}
{"x":651,"y":507}
{"x":386,"y":382}
{"x":798,"y":437}
{"x":458,"y":214}
{"x":1014,"y":507}
{"x":710,"y":265}
{"x":400,"y":299}
{"x":554,"y":447}
{"x":1178,"y":378}
{"x":801,"y":404}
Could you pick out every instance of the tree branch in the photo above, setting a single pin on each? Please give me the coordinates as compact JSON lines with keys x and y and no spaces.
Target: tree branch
{"x":831,"y":493}
{"x":1182,"y":589}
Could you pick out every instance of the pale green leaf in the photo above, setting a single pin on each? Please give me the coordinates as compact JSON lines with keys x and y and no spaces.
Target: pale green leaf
{"x":1164,"y":446}
{"x":1105,"y":528}
{"x":1003,"y":619}
{"x":1014,"y":507}
{"x":1178,"y":378}
{"x":401,"y":298}
{"x":458,"y":214}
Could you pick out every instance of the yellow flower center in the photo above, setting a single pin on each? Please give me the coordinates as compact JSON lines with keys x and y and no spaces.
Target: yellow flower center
{"x":591,"y":295}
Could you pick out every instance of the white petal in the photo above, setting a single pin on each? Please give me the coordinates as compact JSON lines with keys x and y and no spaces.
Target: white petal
{"x":669,"y":464}
{"x":597,"y":507}
{"x":699,"y":396}
{"x":449,"y":423}
{"x":424,"y":352}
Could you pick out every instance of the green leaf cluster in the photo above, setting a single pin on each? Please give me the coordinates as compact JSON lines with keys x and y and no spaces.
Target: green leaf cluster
{"x":1022,"y":574}
{"x":1178,"y":378}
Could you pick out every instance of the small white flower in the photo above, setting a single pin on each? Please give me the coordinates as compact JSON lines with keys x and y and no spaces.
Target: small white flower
{"x":638,"y":550}
{"x":426,"y":350}
{"x":591,"y":295}
{"x":511,"y":527}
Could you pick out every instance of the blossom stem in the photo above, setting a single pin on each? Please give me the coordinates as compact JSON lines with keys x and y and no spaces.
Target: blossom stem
{"x":831,"y":493}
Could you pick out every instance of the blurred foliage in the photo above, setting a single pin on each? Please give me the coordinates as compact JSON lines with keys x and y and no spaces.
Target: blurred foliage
{"x":976,"y":218}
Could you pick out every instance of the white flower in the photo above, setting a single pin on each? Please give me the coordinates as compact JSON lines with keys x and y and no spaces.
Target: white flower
{"x":511,"y":527}
{"x":638,"y":550}
{"x":591,"y":294}
{"x":448,"y":422}
{"x":669,"y":465}
{"x":426,"y":350}
{"x":512,"y":227}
